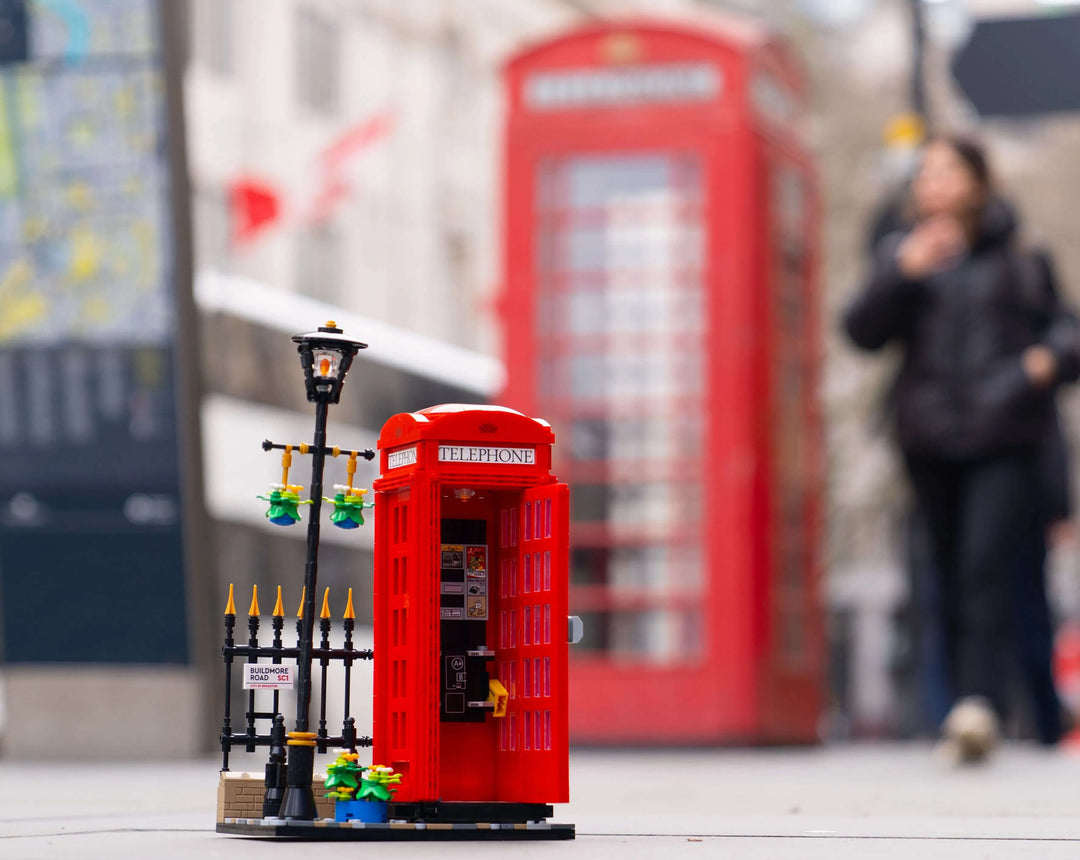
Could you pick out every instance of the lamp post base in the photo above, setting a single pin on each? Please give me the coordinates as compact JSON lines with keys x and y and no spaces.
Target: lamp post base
{"x":298,"y":802}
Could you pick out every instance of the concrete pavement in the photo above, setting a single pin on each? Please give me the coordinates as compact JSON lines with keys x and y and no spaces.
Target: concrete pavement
{"x":837,"y":802}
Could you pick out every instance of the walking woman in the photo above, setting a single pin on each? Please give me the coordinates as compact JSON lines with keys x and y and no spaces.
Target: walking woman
{"x":985,"y":343}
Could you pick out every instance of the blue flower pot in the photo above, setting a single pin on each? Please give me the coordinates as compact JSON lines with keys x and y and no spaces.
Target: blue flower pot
{"x":372,"y":811}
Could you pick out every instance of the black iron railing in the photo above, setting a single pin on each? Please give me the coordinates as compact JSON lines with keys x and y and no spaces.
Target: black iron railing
{"x":277,"y":653}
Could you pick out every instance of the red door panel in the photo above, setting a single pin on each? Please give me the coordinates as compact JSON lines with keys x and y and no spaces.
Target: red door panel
{"x":531,"y":651}
{"x":405,"y":700}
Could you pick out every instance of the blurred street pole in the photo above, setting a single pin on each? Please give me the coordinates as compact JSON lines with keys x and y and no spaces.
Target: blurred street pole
{"x":918,"y":70}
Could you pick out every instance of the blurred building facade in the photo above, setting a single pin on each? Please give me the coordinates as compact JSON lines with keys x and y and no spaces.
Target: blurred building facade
{"x":374,"y":126}
{"x":366,"y":133}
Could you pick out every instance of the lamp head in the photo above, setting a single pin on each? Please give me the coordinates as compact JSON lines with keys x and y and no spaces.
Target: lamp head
{"x":326,"y":356}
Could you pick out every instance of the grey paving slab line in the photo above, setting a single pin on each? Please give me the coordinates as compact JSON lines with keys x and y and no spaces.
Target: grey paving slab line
{"x":874,"y":801}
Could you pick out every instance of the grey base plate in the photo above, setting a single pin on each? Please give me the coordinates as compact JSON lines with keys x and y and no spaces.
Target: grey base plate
{"x":403,"y":831}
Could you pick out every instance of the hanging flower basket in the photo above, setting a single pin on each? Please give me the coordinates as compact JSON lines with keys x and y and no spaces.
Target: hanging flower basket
{"x":284,"y":504}
{"x":349,"y":507}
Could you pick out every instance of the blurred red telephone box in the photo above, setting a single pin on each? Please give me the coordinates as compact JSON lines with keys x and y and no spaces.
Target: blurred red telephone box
{"x":470,"y":587}
{"x":660,"y":308}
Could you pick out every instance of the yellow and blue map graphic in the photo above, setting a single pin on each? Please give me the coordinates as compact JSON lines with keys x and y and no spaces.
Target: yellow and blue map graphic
{"x":84,"y":195}
{"x":91,"y":530}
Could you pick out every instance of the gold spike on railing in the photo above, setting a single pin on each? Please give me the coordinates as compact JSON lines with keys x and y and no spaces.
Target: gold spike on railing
{"x":303,"y":594}
{"x":254,"y":610}
{"x":325,"y":604}
{"x":349,"y":611}
{"x":279,"y":610}
{"x":230,"y":607}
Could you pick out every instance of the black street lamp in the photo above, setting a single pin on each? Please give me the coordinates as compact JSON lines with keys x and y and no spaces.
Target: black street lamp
{"x":325,"y":356}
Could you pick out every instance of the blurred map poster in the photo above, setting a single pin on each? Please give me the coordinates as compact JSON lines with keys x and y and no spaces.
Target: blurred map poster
{"x":89,"y":459}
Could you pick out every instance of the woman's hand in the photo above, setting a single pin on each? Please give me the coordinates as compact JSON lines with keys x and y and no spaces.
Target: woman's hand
{"x":930,"y":246}
{"x":1040,"y":365}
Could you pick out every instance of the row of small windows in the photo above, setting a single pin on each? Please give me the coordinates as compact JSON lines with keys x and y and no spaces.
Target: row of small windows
{"x":535,"y":677}
{"x":537,"y":522}
{"x":399,"y":524}
{"x":397,"y":729}
{"x":535,"y":731}
{"x":399,"y":576}
{"x":534,"y":629}
{"x":508,"y":532}
{"x":398,"y":678}
{"x":399,"y":620}
{"x":536,"y":574}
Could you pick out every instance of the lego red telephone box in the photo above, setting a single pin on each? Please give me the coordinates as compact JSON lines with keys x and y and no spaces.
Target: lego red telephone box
{"x":470,"y":612}
{"x":660,"y":308}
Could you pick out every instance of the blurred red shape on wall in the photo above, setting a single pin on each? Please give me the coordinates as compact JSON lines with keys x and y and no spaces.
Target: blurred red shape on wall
{"x":255,"y":205}
{"x":335,"y":158}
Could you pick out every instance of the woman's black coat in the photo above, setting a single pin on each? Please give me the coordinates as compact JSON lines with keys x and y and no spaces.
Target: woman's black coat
{"x":962,"y":392}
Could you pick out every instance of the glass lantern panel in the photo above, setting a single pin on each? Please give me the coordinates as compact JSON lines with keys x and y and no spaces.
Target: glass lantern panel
{"x":326,"y":363}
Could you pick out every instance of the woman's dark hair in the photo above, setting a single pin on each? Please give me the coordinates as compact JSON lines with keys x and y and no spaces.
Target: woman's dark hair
{"x":972,"y":153}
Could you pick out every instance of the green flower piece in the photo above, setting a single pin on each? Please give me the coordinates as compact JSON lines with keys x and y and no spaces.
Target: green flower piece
{"x":348,"y":780}
{"x":284,"y":505}
{"x":374,"y":791}
{"x":377,"y":782}
{"x":348,"y":509}
{"x":343,"y":777}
